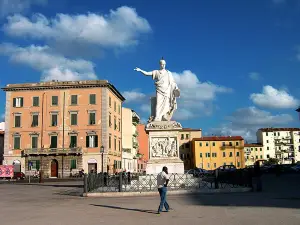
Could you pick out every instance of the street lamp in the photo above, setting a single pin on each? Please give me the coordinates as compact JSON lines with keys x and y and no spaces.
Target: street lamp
{"x":102,"y":151}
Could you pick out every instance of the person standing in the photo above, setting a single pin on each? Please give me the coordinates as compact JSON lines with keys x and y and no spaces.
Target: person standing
{"x":162,"y":183}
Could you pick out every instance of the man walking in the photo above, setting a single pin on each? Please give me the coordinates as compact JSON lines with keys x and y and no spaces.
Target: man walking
{"x":162,"y":183}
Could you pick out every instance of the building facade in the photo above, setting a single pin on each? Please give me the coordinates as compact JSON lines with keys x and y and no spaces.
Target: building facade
{"x":253,"y":152}
{"x":1,"y":147}
{"x":186,"y":135}
{"x":280,"y":143}
{"x":212,"y":152}
{"x":130,"y":146}
{"x":143,"y":148}
{"x":59,"y":127}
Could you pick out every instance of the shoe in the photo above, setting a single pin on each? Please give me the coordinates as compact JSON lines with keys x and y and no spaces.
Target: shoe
{"x":170,"y":209}
{"x":158,"y":213}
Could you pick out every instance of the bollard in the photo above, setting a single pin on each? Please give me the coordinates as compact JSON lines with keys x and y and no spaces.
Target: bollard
{"x":85,"y":183}
{"x":216,"y":179}
{"x":120,"y":182}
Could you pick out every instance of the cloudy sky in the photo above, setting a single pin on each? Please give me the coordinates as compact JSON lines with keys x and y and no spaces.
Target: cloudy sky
{"x":237,"y":63}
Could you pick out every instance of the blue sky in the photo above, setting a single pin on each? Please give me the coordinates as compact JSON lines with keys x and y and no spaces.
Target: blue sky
{"x":236,"y":62}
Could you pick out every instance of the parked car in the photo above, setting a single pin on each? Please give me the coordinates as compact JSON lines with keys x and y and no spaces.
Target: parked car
{"x":19,"y":176}
{"x":197,"y":172}
{"x":226,"y":168}
{"x":296,"y":168}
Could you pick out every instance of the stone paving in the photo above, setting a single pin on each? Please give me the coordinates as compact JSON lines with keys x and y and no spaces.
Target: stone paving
{"x":60,"y":203}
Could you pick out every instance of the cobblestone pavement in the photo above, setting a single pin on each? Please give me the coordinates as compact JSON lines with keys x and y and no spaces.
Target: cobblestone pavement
{"x":60,"y":203}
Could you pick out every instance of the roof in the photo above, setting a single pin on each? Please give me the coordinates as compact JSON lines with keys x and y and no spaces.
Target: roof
{"x":191,"y":129}
{"x":253,"y":145}
{"x":63,"y":85}
{"x":220,"y":138}
{"x":278,"y":129}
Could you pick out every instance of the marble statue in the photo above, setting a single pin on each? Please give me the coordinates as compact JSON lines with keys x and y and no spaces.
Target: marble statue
{"x":166,"y":92}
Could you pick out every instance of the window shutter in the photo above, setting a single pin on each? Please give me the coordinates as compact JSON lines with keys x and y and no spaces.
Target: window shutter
{"x":87,"y":141}
{"x":96,"y":141}
{"x":21,"y":102}
{"x":14,"y":102}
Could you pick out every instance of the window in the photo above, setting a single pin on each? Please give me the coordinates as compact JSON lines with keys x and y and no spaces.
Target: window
{"x":73,"y":164}
{"x":215,"y":165}
{"x":268,"y":156}
{"x":230,"y":154}
{"x":109,"y":120}
{"x":35,"y":165}
{"x":256,"y":157}
{"x":18,"y":102}
{"x":186,"y":136}
{"x":119,"y":145}
{"x":109,"y":101}
{"x":200,"y":154}
{"x":238,"y":164}
{"x":73,"y":141}
{"x":92,"y":99}
{"x":256,"y":149}
{"x":182,"y":136}
{"x":268,"y":148}
{"x":34,"y":141}
{"x":35,"y":120}
{"x":92,"y":118}
{"x":53,"y":142}
{"x":206,"y":144}
{"x":182,"y":156}
{"x":230,"y":143}
{"x":119,"y":127}
{"x":237,"y":143}
{"x":17,"y":142}
{"x":17,"y":120}
{"x":267,"y":141}
{"x":261,"y":156}
{"x":207,"y":154}
{"x":274,"y":133}
{"x":115,"y":123}
{"x":208,"y":165}
{"x":267,"y":134}
{"x":200,"y":143}
{"x":73,"y":119}
{"x":92,"y":141}
{"x":54,"y":100}
{"x":35,"y":101}
{"x":115,"y":106}
{"x":251,"y":149}
{"x":214,"y":144}
{"x":231,"y":163}
{"x":214,"y":155}
{"x":237,"y":153}
{"x":224,"y":154}
{"x":223,"y":143}
{"x":119,"y":109}
{"x":109,"y":142}
{"x":115,"y":143}
{"x":74,"y":100}
{"x":260,"y":149}
{"x":188,"y":156}
{"x":54,"y":120}
{"x":278,"y":134}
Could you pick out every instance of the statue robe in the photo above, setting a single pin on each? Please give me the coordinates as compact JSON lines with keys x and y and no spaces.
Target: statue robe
{"x":165,"y":98}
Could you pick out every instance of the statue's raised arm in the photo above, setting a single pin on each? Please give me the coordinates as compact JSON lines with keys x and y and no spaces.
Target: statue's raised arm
{"x":143,"y":71}
{"x":166,"y":92}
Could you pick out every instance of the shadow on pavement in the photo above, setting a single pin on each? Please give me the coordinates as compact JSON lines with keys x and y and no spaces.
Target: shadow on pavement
{"x":281,"y":192}
{"x":137,"y":210}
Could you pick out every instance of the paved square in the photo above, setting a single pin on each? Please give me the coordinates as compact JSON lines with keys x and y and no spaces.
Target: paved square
{"x":59,"y":203}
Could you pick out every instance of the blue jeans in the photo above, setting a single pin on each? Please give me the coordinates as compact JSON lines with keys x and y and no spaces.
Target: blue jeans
{"x":163,"y":199}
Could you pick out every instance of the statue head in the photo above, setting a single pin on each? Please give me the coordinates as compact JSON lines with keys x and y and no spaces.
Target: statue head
{"x":162,"y":63}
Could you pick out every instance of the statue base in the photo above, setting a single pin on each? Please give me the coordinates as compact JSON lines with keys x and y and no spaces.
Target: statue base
{"x":164,"y":147}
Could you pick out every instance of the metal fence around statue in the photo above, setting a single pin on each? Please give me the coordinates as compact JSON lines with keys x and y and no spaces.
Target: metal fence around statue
{"x":127,"y":182}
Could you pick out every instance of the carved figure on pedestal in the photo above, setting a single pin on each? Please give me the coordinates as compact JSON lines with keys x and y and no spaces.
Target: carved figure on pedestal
{"x":166,"y":92}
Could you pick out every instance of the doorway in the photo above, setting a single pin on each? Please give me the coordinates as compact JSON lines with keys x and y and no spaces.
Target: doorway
{"x":17,"y":166}
{"x":54,"y":168}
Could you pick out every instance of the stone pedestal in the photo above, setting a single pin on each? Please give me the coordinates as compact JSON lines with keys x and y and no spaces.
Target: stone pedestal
{"x":164,"y":147}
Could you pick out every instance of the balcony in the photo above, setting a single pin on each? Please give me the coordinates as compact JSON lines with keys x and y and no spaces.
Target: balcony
{"x":52,"y":151}
{"x":127,"y":150}
{"x":135,"y":145}
{"x":136,"y":134}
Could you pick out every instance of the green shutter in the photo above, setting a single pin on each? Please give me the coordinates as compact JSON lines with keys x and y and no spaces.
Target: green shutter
{"x":37,"y":164}
{"x":73,"y":164}
{"x":87,"y":139}
{"x":73,"y":119}
{"x":92,"y":99}
{"x":96,"y":141}
{"x":22,"y":102}
{"x":74,"y":100}
{"x":14,"y":102}
{"x":17,"y":141}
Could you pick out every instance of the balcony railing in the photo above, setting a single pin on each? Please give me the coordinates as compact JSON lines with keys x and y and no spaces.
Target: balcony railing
{"x":135,"y":145}
{"x":51,"y":151}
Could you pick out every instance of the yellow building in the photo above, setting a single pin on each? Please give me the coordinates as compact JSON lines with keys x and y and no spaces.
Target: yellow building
{"x":253,"y":152}
{"x":186,"y":135}
{"x":212,"y":152}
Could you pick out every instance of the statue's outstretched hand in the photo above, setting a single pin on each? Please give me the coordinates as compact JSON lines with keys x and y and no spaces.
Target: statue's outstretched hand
{"x":137,"y":69}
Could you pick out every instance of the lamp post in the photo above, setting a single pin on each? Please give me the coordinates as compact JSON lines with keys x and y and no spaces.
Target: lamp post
{"x":102,"y":151}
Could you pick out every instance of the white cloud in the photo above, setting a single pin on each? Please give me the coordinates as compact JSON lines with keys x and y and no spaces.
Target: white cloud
{"x":119,"y":28}
{"x":274,"y":98}
{"x":17,"y":6}
{"x":134,"y":96}
{"x":254,"y":76}
{"x":146,"y":108}
{"x":246,"y":121}
{"x":52,"y":65}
